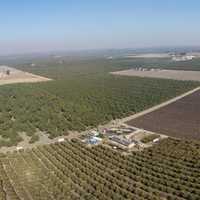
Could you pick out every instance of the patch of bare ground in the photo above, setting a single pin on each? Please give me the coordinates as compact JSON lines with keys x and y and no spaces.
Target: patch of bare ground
{"x":165,"y":74}
{"x":43,"y":139}
{"x":149,"y":55}
{"x":180,"y":119}
{"x":10,"y":75}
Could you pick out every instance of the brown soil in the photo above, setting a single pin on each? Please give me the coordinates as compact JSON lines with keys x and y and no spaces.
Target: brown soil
{"x":180,"y":119}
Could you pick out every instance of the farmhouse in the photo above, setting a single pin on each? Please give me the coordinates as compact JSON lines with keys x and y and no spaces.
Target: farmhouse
{"x":122,"y":142}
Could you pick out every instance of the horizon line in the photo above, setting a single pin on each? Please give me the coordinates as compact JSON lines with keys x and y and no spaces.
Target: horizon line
{"x":51,"y":51}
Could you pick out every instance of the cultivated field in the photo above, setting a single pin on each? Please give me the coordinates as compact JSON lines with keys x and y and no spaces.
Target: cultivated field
{"x":10,"y":75}
{"x":84,"y":95}
{"x":71,"y":171}
{"x":180,"y":119}
{"x":166,"y":74}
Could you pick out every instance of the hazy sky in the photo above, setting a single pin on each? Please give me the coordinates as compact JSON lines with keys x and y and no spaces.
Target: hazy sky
{"x":40,"y":25}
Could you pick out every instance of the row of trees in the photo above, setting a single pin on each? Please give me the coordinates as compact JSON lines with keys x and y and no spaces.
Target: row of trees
{"x":71,"y":170}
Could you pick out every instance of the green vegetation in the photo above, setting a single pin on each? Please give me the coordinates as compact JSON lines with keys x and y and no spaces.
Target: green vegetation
{"x":34,"y":139}
{"x":70,"y":170}
{"x":149,"y":138}
{"x":82,"y":95}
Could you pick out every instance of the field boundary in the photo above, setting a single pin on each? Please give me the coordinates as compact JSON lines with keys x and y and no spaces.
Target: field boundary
{"x":154,"y":108}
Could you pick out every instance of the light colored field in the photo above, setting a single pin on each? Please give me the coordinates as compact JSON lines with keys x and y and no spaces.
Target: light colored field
{"x":149,"y":55}
{"x":165,"y":74}
{"x":17,"y":76}
{"x":158,"y":55}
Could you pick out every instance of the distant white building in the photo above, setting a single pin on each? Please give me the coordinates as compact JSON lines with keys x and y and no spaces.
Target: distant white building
{"x":156,"y":140}
{"x":19,"y":148}
{"x":182,"y":58}
{"x":61,"y":139}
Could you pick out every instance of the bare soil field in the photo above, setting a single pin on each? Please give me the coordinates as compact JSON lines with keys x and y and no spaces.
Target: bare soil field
{"x":10,"y":75}
{"x":166,"y":74}
{"x":180,"y":119}
{"x":149,"y":55}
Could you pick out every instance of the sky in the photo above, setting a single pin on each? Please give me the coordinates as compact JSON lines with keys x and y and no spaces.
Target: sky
{"x":45,"y":25}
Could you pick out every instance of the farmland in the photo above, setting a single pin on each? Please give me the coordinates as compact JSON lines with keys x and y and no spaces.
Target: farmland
{"x":179,"y":119}
{"x":69,"y":170}
{"x":18,"y":76}
{"x":99,"y":100}
{"x":165,"y":74}
{"x":82,"y":95}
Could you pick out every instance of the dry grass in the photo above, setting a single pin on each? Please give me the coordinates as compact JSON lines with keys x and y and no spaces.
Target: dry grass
{"x":17,"y":76}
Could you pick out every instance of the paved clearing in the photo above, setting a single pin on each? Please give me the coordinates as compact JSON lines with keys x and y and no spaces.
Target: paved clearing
{"x":179,"y":119}
{"x":17,"y":76}
{"x":166,"y":74}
